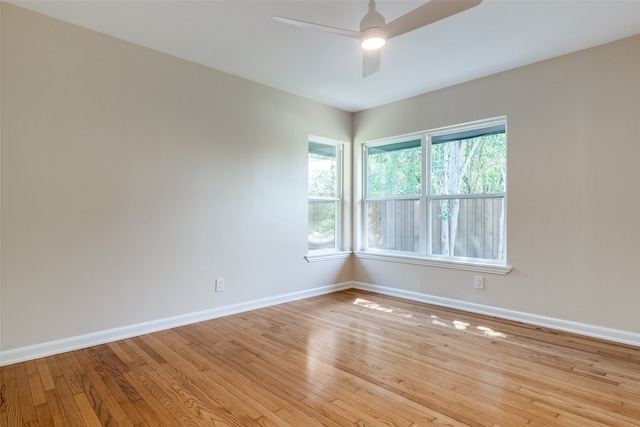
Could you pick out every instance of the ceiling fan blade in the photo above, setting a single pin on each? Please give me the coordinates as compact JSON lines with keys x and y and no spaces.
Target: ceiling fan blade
{"x":428,"y":13}
{"x":311,"y":25}
{"x":371,"y":62}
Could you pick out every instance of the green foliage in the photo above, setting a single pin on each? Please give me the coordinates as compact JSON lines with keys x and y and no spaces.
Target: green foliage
{"x":469,"y":166}
{"x":396,"y":172}
{"x":322,"y":175}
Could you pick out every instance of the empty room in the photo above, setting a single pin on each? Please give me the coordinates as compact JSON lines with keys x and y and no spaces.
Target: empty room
{"x":320,"y":213}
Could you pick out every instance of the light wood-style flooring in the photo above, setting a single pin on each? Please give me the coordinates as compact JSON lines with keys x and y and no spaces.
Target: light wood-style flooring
{"x":350,"y":358}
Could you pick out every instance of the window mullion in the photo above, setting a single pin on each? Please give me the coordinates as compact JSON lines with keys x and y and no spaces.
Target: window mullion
{"x":425,"y":232}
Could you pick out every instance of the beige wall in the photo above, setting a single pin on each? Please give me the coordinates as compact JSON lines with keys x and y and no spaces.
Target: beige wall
{"x":573,"y":176}
{"x":132,"y":179}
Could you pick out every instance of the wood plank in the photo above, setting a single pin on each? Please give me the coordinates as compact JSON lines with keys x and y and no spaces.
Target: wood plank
{"x":100,"y":394}
{"x":55,"y":408}
{"x":10,"y":396}
{"x":35,"y":383}
{"x":68,"y":406}
{"x":87,"y":413}
{"x":45,"y":375}
{"x":45,"y":418}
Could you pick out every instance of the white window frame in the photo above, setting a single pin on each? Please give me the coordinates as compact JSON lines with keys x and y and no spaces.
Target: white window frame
{"x":424,"y":255}
{"x":337,"y":251}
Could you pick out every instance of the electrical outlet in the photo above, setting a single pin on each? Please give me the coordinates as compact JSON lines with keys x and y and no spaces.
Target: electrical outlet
{"x":478,"y":282}
{"x":219,"y":284}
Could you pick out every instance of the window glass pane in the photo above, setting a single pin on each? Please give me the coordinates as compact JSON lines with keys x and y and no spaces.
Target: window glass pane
{"x":394,"y":169}
{"x":394,"y":225}
{"x":323,"y":173}
{"x":471,"y":165}
{"x":470,"y":228}
{"x":322,"y":224}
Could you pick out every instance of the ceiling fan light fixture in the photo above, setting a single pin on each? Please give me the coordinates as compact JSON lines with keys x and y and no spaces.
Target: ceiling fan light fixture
{"x":372,"y":39}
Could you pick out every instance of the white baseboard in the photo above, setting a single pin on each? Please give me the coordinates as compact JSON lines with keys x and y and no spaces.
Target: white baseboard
{"x":608,"y":334}
{"x":87,"y":340}
{"x":82,"y":341}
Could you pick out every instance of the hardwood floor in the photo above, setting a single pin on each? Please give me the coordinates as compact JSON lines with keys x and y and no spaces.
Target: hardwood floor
{"x":350,"y":358}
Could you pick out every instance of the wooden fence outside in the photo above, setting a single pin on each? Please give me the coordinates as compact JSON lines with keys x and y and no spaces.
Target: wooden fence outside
{"x":395,"y":225}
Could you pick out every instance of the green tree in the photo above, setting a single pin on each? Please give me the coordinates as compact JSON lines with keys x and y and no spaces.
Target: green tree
{"x":395,"y":170}
{"x":466,"y":166}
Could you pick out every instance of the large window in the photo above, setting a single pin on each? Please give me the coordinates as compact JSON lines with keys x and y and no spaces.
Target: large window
{"x":325,"y":185}
{"x":459,"y":214}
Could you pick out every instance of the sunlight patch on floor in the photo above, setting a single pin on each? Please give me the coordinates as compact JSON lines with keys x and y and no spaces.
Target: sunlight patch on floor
{"x":457,"y":324}
{"x":491,"y":333}
{"x":460,"y":325}
{"x":372,"y":305}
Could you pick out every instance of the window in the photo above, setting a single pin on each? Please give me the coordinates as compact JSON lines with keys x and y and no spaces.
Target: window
{"x":459,"y":214}
{"x":393,"y":193}
{"x":325,"y":185}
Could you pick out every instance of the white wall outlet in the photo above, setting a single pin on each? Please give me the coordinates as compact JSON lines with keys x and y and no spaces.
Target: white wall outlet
{"x":478,"y":282}
{"x":219,"y":284}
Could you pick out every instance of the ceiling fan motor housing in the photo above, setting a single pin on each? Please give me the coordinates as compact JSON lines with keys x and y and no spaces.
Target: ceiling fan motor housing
{"x":371,"y":34}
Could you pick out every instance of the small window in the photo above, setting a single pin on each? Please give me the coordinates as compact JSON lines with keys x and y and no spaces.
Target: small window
{"x":325,"y":198}
{"x":459,"y":214}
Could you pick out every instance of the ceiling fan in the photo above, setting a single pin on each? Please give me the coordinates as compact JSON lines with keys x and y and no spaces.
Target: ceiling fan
{"x":374,"y":32}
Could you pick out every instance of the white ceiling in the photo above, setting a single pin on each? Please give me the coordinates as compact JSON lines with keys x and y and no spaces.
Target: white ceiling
{"x":238,"y":37}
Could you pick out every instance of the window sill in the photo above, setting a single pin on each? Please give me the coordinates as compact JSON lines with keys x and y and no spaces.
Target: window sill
{"x":328,"y":256}
{"x":432,"y":262}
